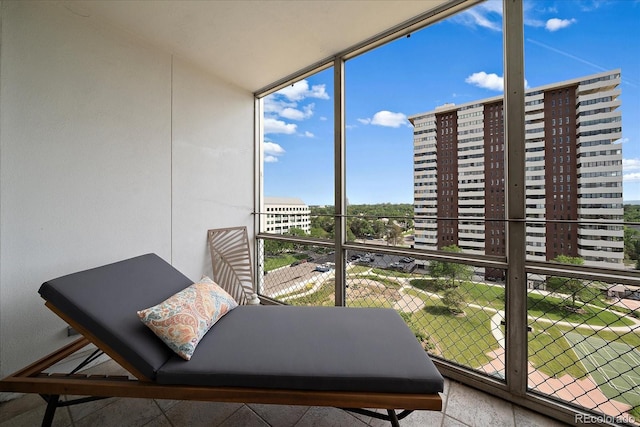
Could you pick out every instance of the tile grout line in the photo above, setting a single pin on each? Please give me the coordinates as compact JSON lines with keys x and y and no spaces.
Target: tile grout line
{"x":164,"y":414}
{"x":301,"y":417}
{"x":445,"y":403}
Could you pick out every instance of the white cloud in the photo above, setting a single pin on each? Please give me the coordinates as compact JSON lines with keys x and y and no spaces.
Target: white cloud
{"x":489,"y":15}
{"x":483,"y":20}
{"x":309,"y":134}
{"x":285,"y":104}
{"x":630,"y":164}
{"x":271,"y":151}
{"x":274,"y":105}
{"x":631,"y":170}
{"x":300,"y":90}
{"x":292,"y":114}
{"x":486,"y":15}
{"x":631,"y":177}
{"x":590,"y":6}
{"x":533,"y":22}
{"x":296,"y":114}
{"x":273,"y":148}
{"x":387,"y":119}
{"x":486,"y":81}
{"x":555,"y":24}
{"x":278,"y":126}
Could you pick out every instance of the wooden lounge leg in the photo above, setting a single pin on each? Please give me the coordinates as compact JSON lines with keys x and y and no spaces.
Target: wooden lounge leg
{"x":52,"y":405}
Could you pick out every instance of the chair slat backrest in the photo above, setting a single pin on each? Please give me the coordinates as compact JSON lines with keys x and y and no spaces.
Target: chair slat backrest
{"x":231,"y":262}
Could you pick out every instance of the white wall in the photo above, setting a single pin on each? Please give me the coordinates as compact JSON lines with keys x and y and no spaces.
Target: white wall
{"x":212,"y":164}
{"x":109,"y":148}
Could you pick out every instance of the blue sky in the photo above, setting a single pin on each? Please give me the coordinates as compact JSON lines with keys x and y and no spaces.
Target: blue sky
{"x":455,"y":61}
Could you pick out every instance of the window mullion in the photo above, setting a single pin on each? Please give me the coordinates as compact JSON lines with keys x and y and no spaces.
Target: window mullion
{"x":339,"y":183}
{"x":516,"y":290}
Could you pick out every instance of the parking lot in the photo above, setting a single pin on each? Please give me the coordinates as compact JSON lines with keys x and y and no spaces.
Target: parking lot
{"x":303,"y":272}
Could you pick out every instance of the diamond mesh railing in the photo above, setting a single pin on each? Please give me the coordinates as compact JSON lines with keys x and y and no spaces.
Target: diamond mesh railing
{"x":584,"y":345}
{"x":583,"y":339}
{"x":455,"y":310}
{"x":297,"y":274}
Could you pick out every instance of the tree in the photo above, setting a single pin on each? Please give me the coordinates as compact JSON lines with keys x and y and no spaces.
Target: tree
{"x":361,"y":228}
{"x":319,"y":233}
{"x":573,"y":287}
{"x":454,"y":299}
{"x":379,"y":228}
{"x":275,"y":247}
{"x":324,"y":222}
{"x":295,"y":231}
{"x":394,"y":234}
{"x":450,"y":272}
{"x":631,"y":243}
{"x":298,"y":232}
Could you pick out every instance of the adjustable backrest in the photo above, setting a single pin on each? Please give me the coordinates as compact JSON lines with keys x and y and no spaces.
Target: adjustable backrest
{"x":102,"y":302}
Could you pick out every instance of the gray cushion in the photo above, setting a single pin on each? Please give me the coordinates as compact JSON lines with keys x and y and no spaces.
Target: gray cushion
{"x":303,"y":348}
{"x":105,"y":299}
{"x":308,"y":348}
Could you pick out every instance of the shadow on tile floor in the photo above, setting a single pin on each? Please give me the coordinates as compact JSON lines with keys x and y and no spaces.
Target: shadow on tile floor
{"x":462,"y":406}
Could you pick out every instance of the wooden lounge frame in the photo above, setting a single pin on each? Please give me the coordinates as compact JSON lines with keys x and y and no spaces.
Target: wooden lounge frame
{"x":33,"y":379}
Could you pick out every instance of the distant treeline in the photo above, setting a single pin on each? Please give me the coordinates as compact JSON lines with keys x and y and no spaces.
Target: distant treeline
{"x":631,"y":213}
{"x":380,"y":210}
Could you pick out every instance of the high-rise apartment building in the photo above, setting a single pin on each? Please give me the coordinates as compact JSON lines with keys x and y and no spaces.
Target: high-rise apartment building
{"x":285,"y":213}
{"x":573,"y":173}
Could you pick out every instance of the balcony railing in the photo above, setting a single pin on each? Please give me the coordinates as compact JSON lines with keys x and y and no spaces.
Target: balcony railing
{"x":583,"y":324}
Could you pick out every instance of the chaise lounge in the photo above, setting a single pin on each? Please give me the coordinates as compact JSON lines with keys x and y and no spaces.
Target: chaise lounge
{"x":349,"y":358}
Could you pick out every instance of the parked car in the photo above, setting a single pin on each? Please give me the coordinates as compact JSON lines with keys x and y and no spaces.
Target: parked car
{"x":407,"y":259}
{"x":322,"y":268}
{"x":396,"y":266}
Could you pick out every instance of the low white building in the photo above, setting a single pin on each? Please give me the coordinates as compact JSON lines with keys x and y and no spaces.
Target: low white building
{"x":285,"y":213}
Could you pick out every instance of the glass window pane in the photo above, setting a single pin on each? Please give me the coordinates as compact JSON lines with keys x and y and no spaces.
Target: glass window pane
{"x":425,"y":130}
{"x":582,"y":148}
{"x":298,"y":141}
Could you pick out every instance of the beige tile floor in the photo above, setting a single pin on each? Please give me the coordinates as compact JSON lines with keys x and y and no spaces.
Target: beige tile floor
{"x":462,"y":406}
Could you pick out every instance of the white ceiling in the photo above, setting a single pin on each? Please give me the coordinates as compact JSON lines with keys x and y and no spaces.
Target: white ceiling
{"x":253,"y":43}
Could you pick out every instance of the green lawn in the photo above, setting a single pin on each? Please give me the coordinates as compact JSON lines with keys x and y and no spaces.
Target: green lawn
{"x":271,"y":263}
{"x":466,"y":340}
{"x":552,"y":308}
{"x":324,"y":296}
{"x":484,"y":295}
{"x":550,"y":353}
{"x":369,"y":302}
{"x":394,"y":273}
